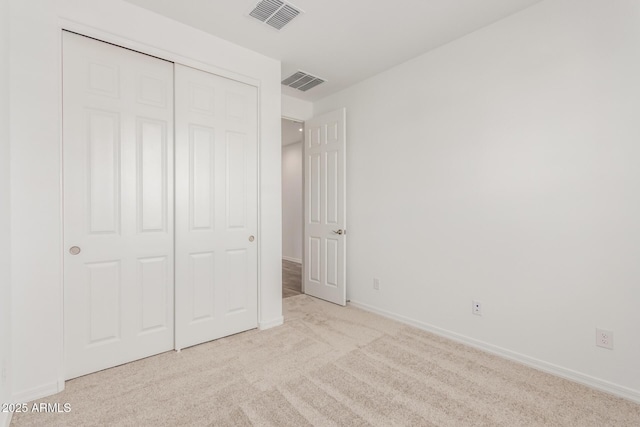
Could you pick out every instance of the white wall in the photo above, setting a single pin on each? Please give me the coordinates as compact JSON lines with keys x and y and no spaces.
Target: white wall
{"x":504,"y":167}
{"x":294,"y":108}
{"x":5,"y":213}
{"x":292,"y":202}
{"x":35,"y":162}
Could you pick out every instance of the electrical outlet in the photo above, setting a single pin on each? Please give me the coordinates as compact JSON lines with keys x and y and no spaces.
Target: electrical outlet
{"x":476,"y":308}
{"x":376,"y":284}
{"x":604,"y":338}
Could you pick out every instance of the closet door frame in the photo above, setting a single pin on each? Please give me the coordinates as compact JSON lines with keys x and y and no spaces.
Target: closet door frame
{"x":111,"y":38}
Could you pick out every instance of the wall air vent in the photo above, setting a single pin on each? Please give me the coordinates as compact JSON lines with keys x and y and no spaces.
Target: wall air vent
{"x":275,"y":13}
{"x":302,"y":81}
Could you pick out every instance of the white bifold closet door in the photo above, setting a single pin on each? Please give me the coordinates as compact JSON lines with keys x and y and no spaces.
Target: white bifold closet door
{"x":216,"y":206}
{"x":121,"y":249}
{"x":118,"y":205}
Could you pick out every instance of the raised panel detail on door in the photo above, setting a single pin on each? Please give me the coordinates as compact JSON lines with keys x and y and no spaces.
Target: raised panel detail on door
{"x":216,"y":206}
{"x":236,"y":176}
{"x":118,"y":205}
{"x":325,"y":208}
{"x":202,"y":177}
{"x":152,"y":91}
{"x":332,"y":194}
{"x":333,"y":135}
{"x":104,"y":79}
{"x":201,"y":99}
{"x":156,"y":311}
{"x":103,"y":170}
{"x":331,"y":265}
{"x":237,"y":287}
{"x":314,"y":136}
{"x":314,"y":191}
{"x":202,"y":280}
{"x":152,"y":175}
{"x":314,"y":259}
{"x":103,"y":287}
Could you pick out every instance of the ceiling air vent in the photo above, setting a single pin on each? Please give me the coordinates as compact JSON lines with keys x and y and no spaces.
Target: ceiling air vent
{"x":302,"y":81}
{"x":275,"y":13}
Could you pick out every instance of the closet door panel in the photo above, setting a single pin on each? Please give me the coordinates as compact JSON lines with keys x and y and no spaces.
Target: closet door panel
{"x":216,"y":207}
{"x":118,"y":205}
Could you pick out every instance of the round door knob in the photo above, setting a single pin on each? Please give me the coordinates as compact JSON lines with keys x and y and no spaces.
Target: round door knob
{"x":251,"y":238}
{"x":74,"y":250}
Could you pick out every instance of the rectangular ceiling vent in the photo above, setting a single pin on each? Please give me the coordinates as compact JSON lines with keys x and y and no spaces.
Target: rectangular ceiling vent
{"x":302,"y":81}
{"x":275,"y":13}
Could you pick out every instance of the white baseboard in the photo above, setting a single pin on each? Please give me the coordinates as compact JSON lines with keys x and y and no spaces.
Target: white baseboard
{"x":5,"y":419}
{"x":271,"y":323}
{"x":30,"y":395}
{"x":296,"y":260}
{"x":593,"y":382}
{"x":38,"y":392}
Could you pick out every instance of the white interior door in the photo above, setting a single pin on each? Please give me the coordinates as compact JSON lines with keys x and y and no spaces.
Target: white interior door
{"x":325,"y":207}
{"x":216,"y":207}
{"x":118,"y":205}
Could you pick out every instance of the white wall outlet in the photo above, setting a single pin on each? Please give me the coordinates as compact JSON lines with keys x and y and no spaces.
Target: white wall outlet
{"x":476,"y":308}
{"x":376,"y":284}
{"x":604,"y":338}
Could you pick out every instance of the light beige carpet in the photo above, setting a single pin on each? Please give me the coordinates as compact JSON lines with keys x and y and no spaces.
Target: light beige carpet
{"x":331,"y":366}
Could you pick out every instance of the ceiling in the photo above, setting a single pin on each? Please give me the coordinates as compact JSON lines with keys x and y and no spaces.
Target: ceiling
{"x":341,"y":41}
{"x":291,"y":131}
